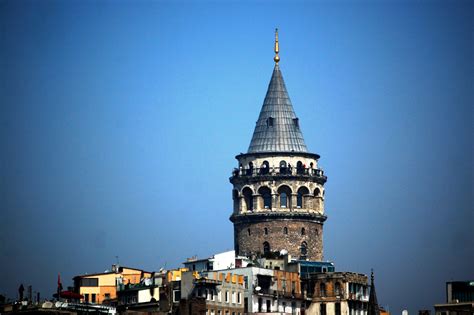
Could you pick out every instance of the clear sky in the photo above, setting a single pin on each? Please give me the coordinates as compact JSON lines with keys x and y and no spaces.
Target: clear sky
{"x":120,"y":121}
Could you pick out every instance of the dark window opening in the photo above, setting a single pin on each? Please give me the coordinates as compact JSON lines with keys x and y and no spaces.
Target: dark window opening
{"x":248,"y":231}
{"x":285,"y":230}
{"x":285,"y":195}
{"x":270,"y":121}
{"x":248,"y":198}
{"x":323,"y":309}
{"x":338,"y":309}
{"x":266,"y":194}
{"x":266,"y":248}
{"x":283,"y":167}
{"x":303,"y":231}
{"x":265,"y":168}
{"x":317,"y":192}
{"x":303,"y":250}
{"x":265,"y":230}
{"x":283,"y":200}
{"x":300,"y":197}
{"x":322,"y":289}
{"x":296,"y":122}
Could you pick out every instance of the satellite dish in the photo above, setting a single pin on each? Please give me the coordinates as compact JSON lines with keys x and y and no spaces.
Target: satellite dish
{"x":258,"y":289}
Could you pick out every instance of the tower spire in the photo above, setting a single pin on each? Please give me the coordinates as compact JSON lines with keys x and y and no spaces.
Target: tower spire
{"x":277,"y":47}
{"x":373,"y":307}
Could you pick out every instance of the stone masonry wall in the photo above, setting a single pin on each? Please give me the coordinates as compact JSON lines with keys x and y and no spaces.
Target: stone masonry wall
{"x":246,"y":244}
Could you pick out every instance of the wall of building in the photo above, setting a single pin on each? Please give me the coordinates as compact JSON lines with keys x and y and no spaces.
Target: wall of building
{"x":145,"y":295}
{"x":278,"y":240}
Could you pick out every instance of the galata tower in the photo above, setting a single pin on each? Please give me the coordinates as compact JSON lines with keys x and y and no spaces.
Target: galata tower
{"x":278,"y":188}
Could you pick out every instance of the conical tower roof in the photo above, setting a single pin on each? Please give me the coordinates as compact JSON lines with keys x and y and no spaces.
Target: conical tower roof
{"x":277,"y":128}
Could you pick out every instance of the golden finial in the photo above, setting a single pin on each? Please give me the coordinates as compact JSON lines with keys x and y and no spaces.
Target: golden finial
{"x":277,"y":47}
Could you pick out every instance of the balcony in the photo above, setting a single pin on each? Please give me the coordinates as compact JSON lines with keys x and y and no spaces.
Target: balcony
{"x":309,"y":173}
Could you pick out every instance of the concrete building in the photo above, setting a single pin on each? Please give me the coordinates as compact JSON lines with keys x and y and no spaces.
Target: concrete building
{"x":338,"y":293}
{"x":102,"y":287}
{"x":459,"y":299}
{"x":143,"y":296}
{"x":225,"y":260}
{"x":271,"y":291}
{"x":212,"y":293}
{"x":278,"y":186}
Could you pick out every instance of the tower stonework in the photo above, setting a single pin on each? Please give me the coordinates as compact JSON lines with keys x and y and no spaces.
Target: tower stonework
{"x":278,"y":188}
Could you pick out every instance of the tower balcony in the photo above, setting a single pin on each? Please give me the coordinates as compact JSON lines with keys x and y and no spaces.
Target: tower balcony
{"x":267,"y":173}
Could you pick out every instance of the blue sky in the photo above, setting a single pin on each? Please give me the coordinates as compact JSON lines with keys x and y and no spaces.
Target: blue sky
{"x":120,"y":121}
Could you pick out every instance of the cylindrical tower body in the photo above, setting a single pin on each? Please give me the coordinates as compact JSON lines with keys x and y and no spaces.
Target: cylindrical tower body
{"x":278,"y":205}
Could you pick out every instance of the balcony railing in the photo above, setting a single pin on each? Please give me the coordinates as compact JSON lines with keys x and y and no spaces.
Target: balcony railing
{"x":278,"y":171}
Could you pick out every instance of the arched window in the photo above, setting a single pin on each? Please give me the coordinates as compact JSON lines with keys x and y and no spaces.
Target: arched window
{"x":299,"y":168}
{"x":285,"y":230}
{"x":283,"y":169}
{"x":266,"y":194}
{"x":285,"y":196}
{"x":322,"y":289}
{"x":248,"y":198}
{"x":302,"y":191}
{"x":303,"y":231}
{"x":266,"y":248}
{"x":265,"y":231}
{"x":265,"y":168}
{"x":303,"y":250}
{"x":317,"y":192}
{"x":249,"y":170}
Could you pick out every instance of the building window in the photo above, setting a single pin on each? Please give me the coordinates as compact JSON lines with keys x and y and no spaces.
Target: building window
{"x":248,"y":198}
{"x":270,"y":121}
{"x":269,"y":306}
{"x":323,"y":309}
{"x":107,"y":296}
{"x":93,"y":298}
{"x":338,"y":308}
{"x":176,"y":296}
{"x":266,"y":248}
{"x":337,"y":289}
{"x":285,"y":194}
{"x":283,"y":200}
{"x":322,"y":289}
{"x":296,"y":122}
{"x":303,"y":250}
{"x":219,"y":296}
{"x":89,"y":282}
{"x":265,"y":168}
{"x":302,"y":191}
{"x":239,"y":298}
{"x":265,"y":231}
{"x":317,"y":192}
{"x":266,"y":194}
{"x":285,"y":230}
{"x":303,"y":231}
{"x":86,"y":298}
{"x":227,"y":296}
